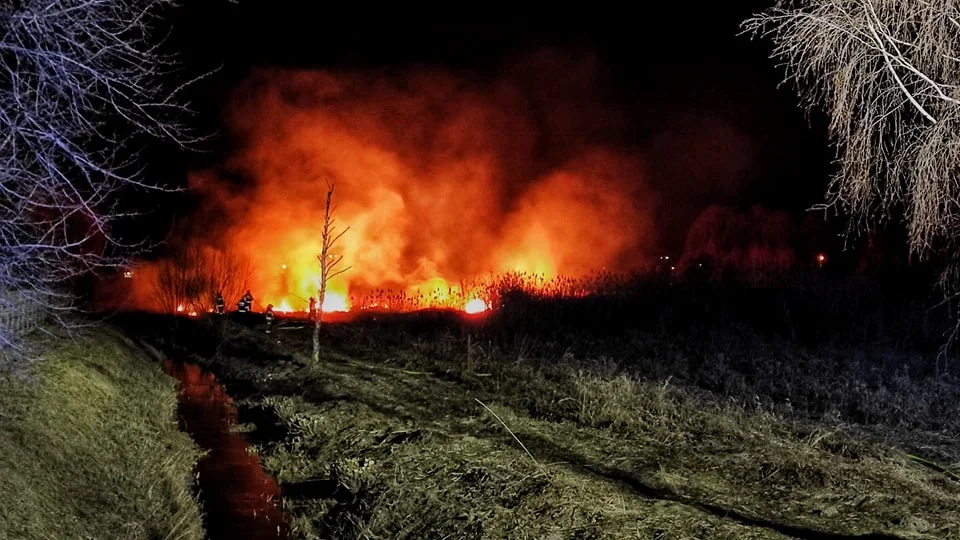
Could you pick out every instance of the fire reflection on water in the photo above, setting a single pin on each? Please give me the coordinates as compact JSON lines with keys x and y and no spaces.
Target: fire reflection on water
{"x":239,"y":499}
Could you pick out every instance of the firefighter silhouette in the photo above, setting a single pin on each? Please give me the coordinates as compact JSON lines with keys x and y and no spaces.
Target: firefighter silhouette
{"x":219,"y":303}
{"x":268,"y":315}
{"x":245,"y":303}
{"x":313,"y":308}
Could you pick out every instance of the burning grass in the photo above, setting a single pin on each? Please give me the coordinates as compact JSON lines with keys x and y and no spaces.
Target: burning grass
{"x":91,"y":449}
{"x":411,"y":427}
{"x":483,"y":294}
{"x":188,"y":285}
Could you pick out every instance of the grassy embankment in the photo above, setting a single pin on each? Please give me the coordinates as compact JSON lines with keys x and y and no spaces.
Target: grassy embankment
{"x":437,"y":433}
{"x":89,"y":446}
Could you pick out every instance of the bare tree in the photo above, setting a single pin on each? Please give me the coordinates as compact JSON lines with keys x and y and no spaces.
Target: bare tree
{"x":328,"y":264}
{"x":81,"y":83}
{"x":189,"y":281}
{"x":887,"y":74}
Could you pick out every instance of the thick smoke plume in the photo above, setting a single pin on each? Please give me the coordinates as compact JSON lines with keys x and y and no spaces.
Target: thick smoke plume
{"x":440,"y":178}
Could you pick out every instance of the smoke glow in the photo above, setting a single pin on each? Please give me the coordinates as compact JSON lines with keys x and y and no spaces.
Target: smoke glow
{"x":441,"y":179}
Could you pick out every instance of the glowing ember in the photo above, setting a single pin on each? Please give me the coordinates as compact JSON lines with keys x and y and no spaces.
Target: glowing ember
{"x":181,"y":309}
{"x":476,"y":306}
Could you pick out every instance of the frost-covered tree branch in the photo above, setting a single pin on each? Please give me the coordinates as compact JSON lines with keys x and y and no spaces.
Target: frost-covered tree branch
{"x":81,"y":83}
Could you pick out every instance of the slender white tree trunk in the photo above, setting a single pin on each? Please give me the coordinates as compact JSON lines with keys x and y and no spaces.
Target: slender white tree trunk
{"x":328,"y":262}
{"x":318,"y":317}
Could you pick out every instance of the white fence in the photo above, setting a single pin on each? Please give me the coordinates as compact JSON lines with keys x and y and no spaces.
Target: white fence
{"x":18,"y":314}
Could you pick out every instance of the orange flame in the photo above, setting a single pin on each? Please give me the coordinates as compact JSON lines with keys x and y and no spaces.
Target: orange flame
{"x":334,"y":302}
{"x":438,"y":179}
{"x":475,"y":306}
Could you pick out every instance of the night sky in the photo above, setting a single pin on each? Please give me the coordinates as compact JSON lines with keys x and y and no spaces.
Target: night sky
{"x":666,"y":71}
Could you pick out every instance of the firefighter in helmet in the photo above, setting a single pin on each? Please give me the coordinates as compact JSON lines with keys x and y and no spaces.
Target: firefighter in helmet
{"x":313,"y":308}
{"x":245,"y":303}
{"x":219,"y":304}
{"x":268,"y":315}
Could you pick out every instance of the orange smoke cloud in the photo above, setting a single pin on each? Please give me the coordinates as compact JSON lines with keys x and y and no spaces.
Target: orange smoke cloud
{"x":439,"y":178}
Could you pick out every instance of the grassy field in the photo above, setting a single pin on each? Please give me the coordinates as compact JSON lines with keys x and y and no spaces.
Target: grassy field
{"x":425,"y":426}
{"x":89,"y":446}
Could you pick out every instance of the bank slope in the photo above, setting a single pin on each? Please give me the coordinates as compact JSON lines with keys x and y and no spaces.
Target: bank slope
{"x":91,"y":449}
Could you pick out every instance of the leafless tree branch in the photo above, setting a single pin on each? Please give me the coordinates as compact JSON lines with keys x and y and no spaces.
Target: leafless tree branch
{"x":328,"y":263}
{"x":81,"y":83}
{"x":188,"y":282}
{"x":887,"y":73}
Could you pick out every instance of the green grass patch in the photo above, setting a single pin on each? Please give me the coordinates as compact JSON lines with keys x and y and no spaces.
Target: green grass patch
{"x":90,"y":448}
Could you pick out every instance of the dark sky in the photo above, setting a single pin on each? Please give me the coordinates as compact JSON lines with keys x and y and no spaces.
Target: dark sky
{"x":663,"y":68}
